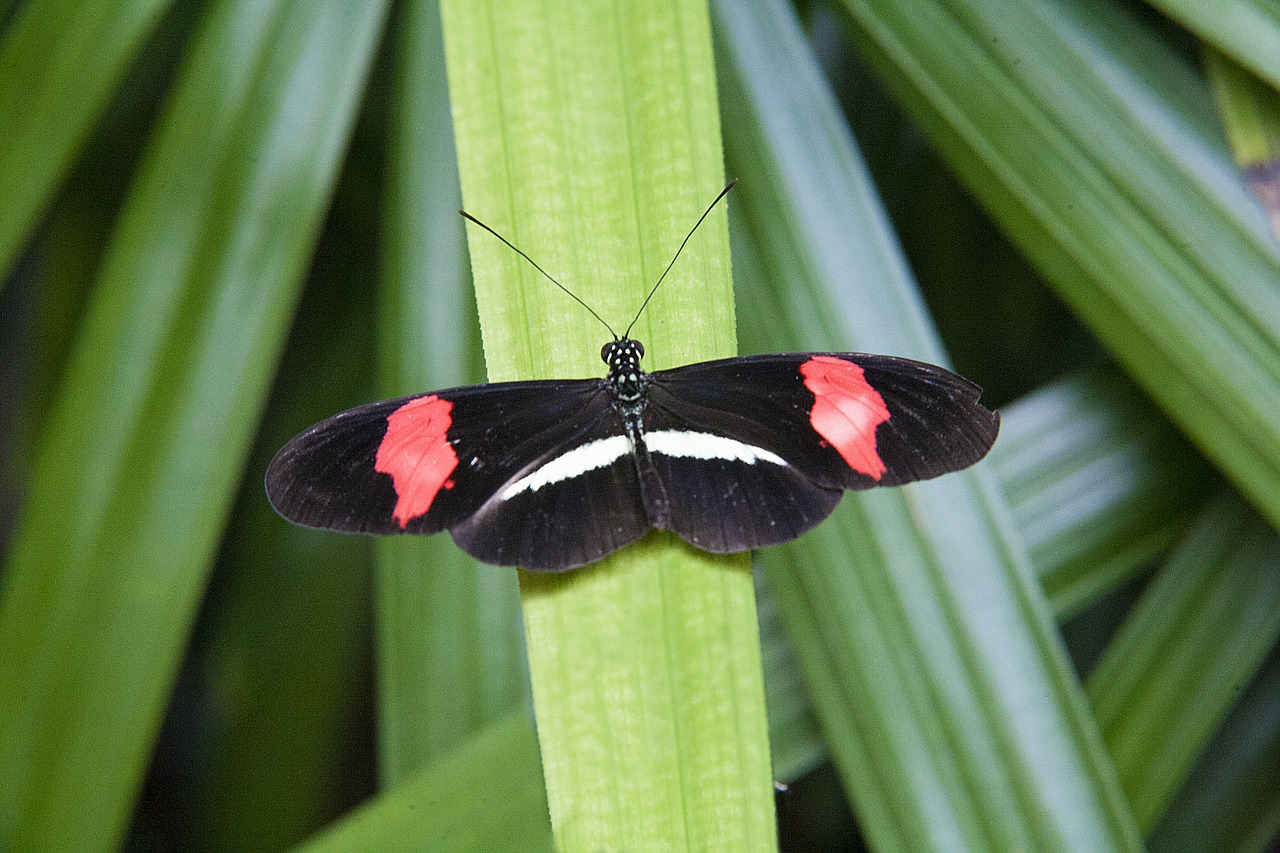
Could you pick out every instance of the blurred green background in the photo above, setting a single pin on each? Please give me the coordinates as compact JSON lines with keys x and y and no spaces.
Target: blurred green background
{"x":227,"y":220}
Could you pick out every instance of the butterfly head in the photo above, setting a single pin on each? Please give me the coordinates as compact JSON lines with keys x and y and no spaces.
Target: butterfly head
{"x":623,"y":357}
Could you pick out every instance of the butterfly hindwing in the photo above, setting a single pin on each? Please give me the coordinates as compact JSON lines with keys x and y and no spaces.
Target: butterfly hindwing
{"x":571,"y":506}
{"x":729,"y":494}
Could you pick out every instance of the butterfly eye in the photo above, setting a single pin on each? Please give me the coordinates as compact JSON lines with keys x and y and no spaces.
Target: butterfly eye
{"x":639,"y":349}
{"x":606,"y":351}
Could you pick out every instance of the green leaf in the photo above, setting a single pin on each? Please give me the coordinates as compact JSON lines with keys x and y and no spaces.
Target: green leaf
{"x":1231,"y":801}
{"x":59,"y":61}
{"x":1251,"y":116}
{"x":485,"y":795}
{"x":588,"y":135}
{"x":1099,"y":483}
{"x":1250,"y":111}
{"x":281,"y":645}
{"x":1201,"y":629}
{"x":939,"y":680}
{"x":1095,"y":147}
{"x":146,"y":444}
{"x":450,"y":650}
{"x":1247,"y":30}
{"x":794,"y":740}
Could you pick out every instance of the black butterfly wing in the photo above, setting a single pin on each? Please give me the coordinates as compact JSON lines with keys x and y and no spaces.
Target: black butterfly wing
{"x":743,"y":453}
{"x":447,"y":460}
{"x":759,"y":449}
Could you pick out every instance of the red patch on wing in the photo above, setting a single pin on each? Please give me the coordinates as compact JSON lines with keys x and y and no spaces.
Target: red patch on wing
{"x":846,"y":411}
{"x":417,"y":454}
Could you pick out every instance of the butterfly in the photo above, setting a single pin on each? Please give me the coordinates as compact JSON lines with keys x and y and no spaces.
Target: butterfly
{"x":549,"y":475}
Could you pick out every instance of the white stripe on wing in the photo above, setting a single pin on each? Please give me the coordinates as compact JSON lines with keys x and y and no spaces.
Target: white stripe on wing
{"x":594,"y":454}
{"x":705,"y":445}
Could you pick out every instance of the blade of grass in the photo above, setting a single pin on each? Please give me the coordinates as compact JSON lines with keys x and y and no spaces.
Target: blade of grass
{"x":145,"y":447}
{"x":943,"y":690}
{"x":1096,"y":148}
{"x":588,"y":135}
{"x":281,"y":646}
{"x":450,"y":648}
{"x":1251,"y":116}
{"x":1247,"y":30}
{"x":1099,"y":484}
{"x":795,"y":741}
{"x":59,"y":62}
{"x":1231,"y":801}
{"x":1200,"y":631}
{"x":484,"y":795}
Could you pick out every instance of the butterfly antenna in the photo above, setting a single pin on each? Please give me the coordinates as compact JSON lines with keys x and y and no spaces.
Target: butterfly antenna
{"x":724,"y":192}
{"x":541,"y":270}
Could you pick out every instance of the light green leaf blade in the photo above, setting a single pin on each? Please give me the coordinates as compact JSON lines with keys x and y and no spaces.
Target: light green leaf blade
{"x":1231,"y":801}
{"x":1099,"y":484}
{"x":588,"y":136}
{"x":280,"y":654}
{"x":484,"y":795}
{"x":795,"y":742}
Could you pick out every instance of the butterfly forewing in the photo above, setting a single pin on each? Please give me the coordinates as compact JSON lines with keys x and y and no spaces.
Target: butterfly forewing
{"x":848,"y":420}
{"x":427,"y":463}
{"x":729,"y":496}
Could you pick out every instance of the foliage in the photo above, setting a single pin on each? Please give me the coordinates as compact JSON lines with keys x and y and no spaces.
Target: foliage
{"x":187,"y":182}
